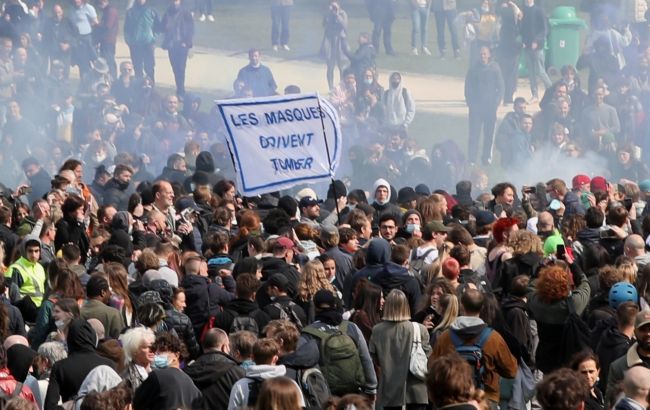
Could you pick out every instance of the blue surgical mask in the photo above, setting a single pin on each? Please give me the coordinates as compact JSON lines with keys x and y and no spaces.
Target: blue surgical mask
{"x":160,"y":361}
{"x":410,"y":228}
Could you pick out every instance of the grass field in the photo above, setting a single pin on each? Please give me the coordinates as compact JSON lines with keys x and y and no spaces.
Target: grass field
{"x":242,"y":24}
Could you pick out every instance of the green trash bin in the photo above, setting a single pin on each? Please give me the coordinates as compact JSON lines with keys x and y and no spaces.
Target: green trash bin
{"x":564,"y":37}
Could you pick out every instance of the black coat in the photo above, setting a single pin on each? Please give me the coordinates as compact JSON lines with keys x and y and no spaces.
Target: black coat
{"x":224,"y":320}
{"x":271,"y":266}
{"x":167,"y":389}
{"x":285,"y":302}
{"x":181,"y":323}
{"x":613,"y":344}
{"x":515,"y":313}
{"x":68,"y":374}
{"x":69,"y":230}
{"x":117,"y":194}
{"x":10,"y":240}
{"x":203,"y":299}
{"x":484,"y":86}
{"x":214,"y":373}
{"x":41,"y":182}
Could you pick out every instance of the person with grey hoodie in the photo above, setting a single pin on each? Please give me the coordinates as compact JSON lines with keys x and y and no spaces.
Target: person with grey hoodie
{"x":265,"y":355}
{"x":468,"y":330}
{"x":382,"y":194}
{"x":100,"y":379}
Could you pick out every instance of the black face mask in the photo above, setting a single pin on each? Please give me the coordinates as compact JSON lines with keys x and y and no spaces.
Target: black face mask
{"x":394,"y":84}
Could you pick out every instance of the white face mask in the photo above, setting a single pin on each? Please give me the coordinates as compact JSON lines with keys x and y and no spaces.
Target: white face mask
{"x":60,"y":324}
{"x":368,"y":81}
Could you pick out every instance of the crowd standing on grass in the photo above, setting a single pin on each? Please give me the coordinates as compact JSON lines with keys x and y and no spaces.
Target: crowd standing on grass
{"x":134,"y":275}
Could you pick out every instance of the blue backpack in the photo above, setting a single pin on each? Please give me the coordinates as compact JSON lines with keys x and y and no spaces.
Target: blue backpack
{"x":473,"y":354}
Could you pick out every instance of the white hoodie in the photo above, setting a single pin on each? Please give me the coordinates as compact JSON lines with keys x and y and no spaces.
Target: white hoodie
{"x":239,"y":393}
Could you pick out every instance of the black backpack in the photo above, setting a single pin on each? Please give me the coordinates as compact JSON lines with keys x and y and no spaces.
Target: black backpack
{"x":473,"y":354}
{"x":287,"y":313}
{"x":576,"y":335}
{"x":417,"y":264}
{"x":314,"y":387}
{"x":243,"y":323}
{"x":254,"y":387}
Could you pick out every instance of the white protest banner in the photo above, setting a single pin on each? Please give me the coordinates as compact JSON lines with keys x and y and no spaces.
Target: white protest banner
{"x":281,"y":141}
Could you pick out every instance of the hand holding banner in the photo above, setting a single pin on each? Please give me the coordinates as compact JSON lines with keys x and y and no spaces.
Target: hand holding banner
{"x":281,"y":141}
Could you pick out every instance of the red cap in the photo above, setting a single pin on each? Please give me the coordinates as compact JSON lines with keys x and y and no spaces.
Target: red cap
{"x":285,"y":242}
{"x":598,"y":184}
{"x":579,"y":180}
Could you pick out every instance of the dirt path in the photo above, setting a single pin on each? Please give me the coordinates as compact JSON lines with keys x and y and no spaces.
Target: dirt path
{"x":214,"y":71}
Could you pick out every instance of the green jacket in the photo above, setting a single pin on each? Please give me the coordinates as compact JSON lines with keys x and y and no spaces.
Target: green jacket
{"x":110,"y":317}
{"x":141,"y":25}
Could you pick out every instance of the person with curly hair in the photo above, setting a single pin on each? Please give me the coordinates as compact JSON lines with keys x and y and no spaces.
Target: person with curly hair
{"x":549,"y":304}
{"x":312,"y":280}
{"x":563,"y":389}
{"x":586,"y":363}
{"x":167,"y":387}
{"x":523,"y":258}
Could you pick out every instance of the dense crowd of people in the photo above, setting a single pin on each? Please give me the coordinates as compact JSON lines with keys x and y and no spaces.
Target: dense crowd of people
{"x":134,"y":275}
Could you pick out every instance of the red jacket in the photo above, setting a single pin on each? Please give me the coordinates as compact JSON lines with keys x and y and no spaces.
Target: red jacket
{"x":8,"y":385}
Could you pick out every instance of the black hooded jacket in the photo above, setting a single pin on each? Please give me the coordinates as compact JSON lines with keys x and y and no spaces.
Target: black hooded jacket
{"x":172,"y":175}
{"x":516,"y":315}
{"x":117,"y":194}
{"x":526,"y":264}
{"x":394,"y":276}
{"x":214,"y":373}
{"x":377,"y":256}
{"x":270,"y":266}
{"x":613,"y":344}
{"x":241,"y":307}
{"x":69,"y":230}
{"x":205,"y":163}
{"x":203,"y":299}
{"x":68,"y":374}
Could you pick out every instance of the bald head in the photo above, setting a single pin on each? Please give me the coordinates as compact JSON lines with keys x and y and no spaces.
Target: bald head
{"x":15,"y":340}
{"x":216,"y":339}
{"x":98,"y":327}
{"x":544,"y":222}
{"x":634,"y":245}
{"x":636,"y":383}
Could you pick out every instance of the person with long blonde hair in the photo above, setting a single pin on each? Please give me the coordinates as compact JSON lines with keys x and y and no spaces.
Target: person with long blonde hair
{"x":450,"y":309}
{"x":390,"y":347}
{"x":312,"y":280}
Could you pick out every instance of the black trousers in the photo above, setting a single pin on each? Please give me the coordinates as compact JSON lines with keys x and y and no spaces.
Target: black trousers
{"x":178,"y":60}
{"x":107,"y":52}
{"x":509,"y":66}
{"x":383,"y":25}
{"x":481,"y":118}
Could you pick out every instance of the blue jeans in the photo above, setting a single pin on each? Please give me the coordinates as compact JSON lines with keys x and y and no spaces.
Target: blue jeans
{"x":420,"y":20}
{"x":447,"y":16}
{"x":536,"y":69}
{"x":280,"y":25}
